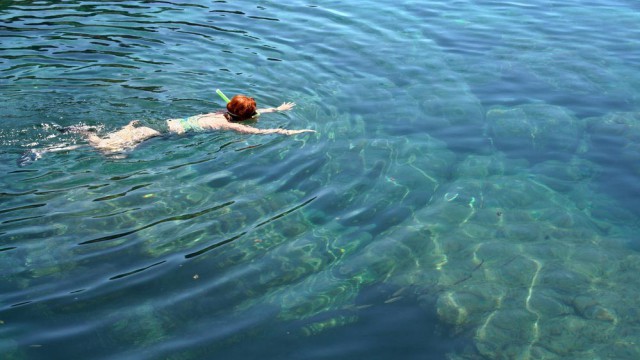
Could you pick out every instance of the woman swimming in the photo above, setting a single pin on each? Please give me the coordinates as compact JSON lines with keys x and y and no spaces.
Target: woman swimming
{"x":240,"y":108}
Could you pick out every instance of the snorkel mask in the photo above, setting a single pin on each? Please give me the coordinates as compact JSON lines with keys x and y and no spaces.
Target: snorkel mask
{"x":226,"y":99}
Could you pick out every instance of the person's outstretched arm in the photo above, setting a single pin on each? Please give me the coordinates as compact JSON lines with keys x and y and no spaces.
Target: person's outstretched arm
{"x":251,"y":130}
{"x":284,"y":107}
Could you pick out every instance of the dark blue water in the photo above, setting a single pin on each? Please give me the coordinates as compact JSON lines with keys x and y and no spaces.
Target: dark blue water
{"x":471,"y":191}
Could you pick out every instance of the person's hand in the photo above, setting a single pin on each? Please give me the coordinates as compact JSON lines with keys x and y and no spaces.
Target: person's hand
{"x":286,"y":106}
{"x":293,"y":132}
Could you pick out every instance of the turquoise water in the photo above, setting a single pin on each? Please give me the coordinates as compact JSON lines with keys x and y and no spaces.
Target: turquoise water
{"x":471,"y":191}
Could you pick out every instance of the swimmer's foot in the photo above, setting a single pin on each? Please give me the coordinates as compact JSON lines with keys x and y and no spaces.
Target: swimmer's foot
{"x":32,"y":155}
{"x":28,"y":157}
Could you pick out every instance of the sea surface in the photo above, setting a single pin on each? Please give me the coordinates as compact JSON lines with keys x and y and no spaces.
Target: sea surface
{"x":472,"y":190}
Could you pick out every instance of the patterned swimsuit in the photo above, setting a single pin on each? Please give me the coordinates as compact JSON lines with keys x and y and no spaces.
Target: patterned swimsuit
{"x":191,"y":124}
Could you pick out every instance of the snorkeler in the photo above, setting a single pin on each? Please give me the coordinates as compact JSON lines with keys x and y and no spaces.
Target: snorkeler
{"x":239,"y":109}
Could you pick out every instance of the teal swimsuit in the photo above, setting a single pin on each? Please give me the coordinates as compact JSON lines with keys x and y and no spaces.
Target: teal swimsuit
{"x":190,"y":124}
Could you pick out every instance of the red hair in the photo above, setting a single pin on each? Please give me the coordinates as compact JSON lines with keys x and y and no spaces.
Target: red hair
{"x":241,"y":107}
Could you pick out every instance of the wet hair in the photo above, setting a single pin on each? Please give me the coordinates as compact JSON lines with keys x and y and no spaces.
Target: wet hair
{"x":241,"y":108}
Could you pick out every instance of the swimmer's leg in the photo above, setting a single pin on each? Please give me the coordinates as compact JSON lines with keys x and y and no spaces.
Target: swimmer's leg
{"x":126,"y":138}
{"x":64,"y":148}
{"x":32,"y":155}
{"x":76,"y":129}
{"x":89,"y":133}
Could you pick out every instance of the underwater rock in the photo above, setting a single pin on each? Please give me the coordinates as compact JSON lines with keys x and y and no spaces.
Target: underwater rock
{"x":590,"y":308}
{"x":514,"y":258}
{"x":615,"y":133}
{"x":564,"y":175}
{"x":619,"y":129}
{"x":455,"y":117}
{"x":506,"y":334}
{"x":11,"y":350}
{"x":563,"y":280}
{"x":468,"y":305}
{"x":535,"y":131}
{"x":574,"y":337}
{"x":615,"y":145}
{"x":549,"y":304}
{"x":615,"y":128}
{"x":324,"y":325}
{"x":142,"y":325}
{"x":482,"y":166}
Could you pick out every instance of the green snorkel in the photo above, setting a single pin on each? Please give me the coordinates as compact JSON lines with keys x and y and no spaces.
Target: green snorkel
{"x":223,"y":96}
{"x":226,"y":99}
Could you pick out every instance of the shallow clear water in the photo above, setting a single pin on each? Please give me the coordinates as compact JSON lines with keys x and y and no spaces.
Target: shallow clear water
{"x":471,"y":191}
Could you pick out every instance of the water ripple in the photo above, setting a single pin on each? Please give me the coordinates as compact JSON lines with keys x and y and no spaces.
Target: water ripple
{"x":133,"y":272}
{"x":21,"y":208}
{"x":173,"y":218}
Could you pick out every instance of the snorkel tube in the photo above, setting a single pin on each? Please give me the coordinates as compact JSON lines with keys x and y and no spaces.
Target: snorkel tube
{"x":223,"y":96}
